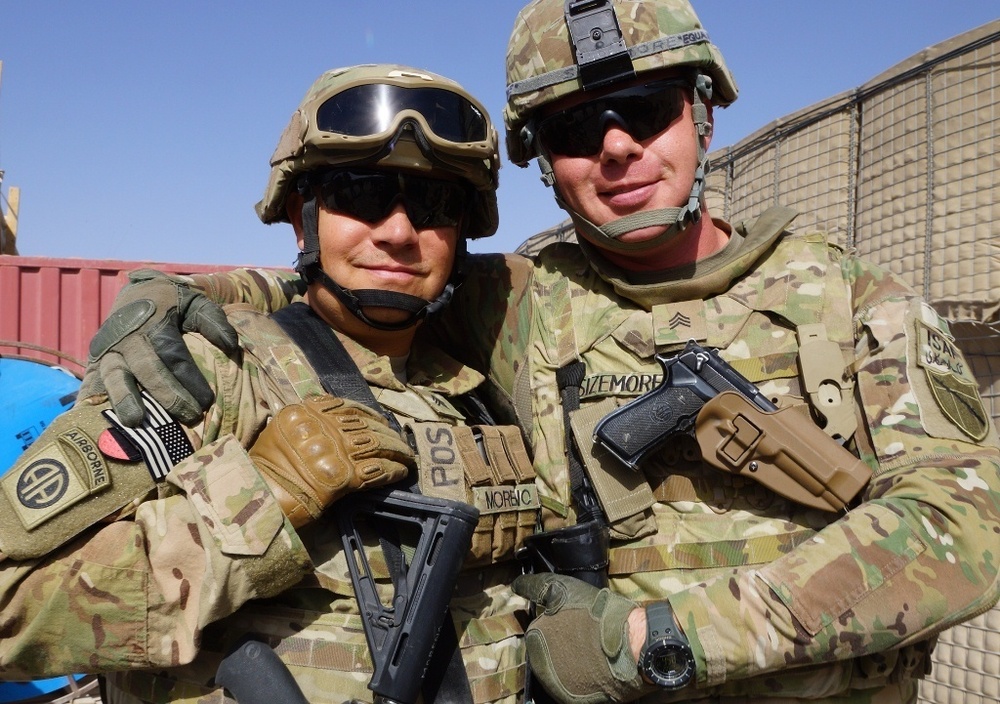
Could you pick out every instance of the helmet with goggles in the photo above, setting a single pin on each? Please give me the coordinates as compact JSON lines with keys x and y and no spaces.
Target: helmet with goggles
{"x":560,"y":48}
{"x":387,"y":116}
{"x":368,"y":137}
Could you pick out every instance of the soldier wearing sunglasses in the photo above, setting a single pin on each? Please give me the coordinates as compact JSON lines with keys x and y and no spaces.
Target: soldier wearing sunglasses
{"x":719,"y":589}
{"x":147,"y":552}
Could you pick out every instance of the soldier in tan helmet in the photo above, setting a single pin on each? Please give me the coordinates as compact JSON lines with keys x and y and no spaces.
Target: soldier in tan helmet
{"x":146,"y":553}
{"x":721,"y":585}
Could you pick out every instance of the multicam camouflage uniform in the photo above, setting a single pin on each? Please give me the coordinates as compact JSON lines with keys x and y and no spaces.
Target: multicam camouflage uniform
{"x":781,"y":603}
{"x":208,"y":557}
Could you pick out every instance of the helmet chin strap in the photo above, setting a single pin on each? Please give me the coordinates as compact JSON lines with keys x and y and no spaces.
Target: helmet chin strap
{"x":310,"y":269}
{"x":675,"y":220}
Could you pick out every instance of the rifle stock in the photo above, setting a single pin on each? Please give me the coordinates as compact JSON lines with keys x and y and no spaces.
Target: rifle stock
{"x":401,"y":633}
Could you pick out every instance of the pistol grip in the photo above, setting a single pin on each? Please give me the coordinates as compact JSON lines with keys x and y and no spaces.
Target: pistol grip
{"x":641,"y":426}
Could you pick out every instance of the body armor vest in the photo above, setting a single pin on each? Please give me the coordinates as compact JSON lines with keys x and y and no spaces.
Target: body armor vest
{"x":679,"y":522}
{"x":315,"y":627}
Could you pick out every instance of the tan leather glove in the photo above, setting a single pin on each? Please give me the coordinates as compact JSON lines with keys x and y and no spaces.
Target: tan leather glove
{"x":315,"y":452}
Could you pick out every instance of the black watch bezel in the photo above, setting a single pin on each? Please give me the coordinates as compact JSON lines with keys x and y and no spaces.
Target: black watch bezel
{"x":665,"y":644}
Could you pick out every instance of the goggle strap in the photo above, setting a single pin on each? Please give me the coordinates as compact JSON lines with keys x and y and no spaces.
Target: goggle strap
{"x":570,"y":73}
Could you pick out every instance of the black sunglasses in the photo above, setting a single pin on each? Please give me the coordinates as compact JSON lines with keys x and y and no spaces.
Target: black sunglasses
{"x":642,"y":111}
{"x":371,"y":196}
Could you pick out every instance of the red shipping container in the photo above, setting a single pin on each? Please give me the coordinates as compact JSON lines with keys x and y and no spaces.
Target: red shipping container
{"x":50,"y":308}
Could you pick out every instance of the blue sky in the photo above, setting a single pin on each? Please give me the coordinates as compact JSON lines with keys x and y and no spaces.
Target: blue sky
{"x":141,"y":130}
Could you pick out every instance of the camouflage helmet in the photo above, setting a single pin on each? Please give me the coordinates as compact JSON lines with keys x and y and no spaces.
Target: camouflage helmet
{"x":453,"y":135}
{"x":543,"y":65}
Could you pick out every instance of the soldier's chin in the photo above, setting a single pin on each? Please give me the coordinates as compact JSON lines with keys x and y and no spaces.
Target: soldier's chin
{"x":386,"y":316}
{"x":644,"y":235}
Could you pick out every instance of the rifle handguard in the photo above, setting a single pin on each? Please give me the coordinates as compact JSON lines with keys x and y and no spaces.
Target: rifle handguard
{"x":784,"y":450}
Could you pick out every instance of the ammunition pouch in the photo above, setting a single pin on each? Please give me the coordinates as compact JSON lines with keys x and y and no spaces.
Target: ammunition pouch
{"x":488,"y":467}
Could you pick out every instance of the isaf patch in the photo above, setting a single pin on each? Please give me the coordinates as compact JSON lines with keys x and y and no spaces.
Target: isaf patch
{"x":68,"y":470}
{"x":951,"y":382}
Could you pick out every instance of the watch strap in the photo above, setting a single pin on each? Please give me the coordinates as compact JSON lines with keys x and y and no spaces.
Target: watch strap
{"x":660,"y":622}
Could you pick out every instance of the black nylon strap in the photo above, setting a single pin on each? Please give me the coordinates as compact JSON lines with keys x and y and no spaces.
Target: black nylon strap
{"x":445,"y":680}
{"x":569,"y":379}
{"x":326,"y":354}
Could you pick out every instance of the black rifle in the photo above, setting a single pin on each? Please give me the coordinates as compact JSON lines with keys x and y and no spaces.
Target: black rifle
{"x":401,"y":634}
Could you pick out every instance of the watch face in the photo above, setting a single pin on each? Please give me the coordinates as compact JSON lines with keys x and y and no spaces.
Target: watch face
{"x":669,"y":664}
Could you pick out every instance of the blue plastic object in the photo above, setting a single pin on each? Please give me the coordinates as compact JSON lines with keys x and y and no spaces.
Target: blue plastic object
{"x":31,"y":691}
{"x":31,"y":395}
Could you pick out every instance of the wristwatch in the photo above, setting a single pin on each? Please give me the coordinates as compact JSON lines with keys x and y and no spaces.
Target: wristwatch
{"x":665,"y":660}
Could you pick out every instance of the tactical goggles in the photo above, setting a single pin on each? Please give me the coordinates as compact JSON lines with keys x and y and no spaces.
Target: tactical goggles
{"x":642,"y":111}
{"x":371,"y":195}
{"x":375,"y":109}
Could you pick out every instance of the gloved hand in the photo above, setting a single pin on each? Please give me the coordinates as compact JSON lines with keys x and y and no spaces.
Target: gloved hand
{"x":141,"y":343}
{"x":578,"y":647}
{"x":315,"y":452}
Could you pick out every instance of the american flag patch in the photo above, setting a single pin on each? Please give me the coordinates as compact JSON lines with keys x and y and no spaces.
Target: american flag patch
{"x":160,"y":438}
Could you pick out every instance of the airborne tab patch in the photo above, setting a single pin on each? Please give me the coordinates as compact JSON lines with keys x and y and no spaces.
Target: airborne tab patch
{"x":954,"y":388}
{"x":70,"y":469}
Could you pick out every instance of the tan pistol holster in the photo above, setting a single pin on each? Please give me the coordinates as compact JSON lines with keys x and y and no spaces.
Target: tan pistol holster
{"x":784,"y":450}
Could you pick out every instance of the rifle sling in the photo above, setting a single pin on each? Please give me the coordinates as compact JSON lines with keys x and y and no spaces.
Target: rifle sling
{"x":326,"y":354}
{"x":445,"y":680}
{"x":569,"y":379}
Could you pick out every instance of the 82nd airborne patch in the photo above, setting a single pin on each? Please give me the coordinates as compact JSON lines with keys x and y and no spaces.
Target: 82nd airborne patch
{"x":951,"y":381}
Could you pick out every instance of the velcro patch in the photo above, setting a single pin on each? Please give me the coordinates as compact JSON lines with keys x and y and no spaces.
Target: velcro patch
{"x":115,"y":444}
{"x":954,"y":388}
{"x":500,"y":499}
{"x":160,"y":439}
{"x":68,"y":470}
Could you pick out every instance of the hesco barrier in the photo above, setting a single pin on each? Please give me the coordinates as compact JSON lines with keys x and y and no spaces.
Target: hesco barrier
{"x":50,"y":308}
{"x":906,"y":170}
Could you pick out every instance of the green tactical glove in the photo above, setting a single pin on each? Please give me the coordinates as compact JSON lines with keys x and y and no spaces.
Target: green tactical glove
{"x":315,"y":452}
{"x":578,"y":647}
{"x":141,"y":343}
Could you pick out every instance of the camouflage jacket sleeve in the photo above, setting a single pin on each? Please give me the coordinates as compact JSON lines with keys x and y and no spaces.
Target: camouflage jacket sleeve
{"x":917,"y":555}
{"x":137,"y":592}
{"x":267,"y":290}
{"x":487,"y":324}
